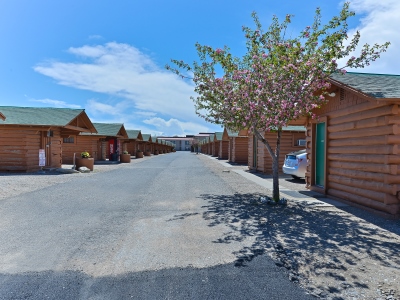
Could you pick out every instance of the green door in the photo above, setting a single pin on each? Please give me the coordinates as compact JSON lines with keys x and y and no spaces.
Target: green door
{"x":320,"y":155}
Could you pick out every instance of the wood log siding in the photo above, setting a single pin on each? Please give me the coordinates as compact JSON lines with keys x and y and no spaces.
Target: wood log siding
{"x":363,"y":153}
{"x":215,"y":149}
{"x":81,"y":143}
{"x":376,"y":149}
{"x":264,"y":160}
{"x":366,"y":123}
{"x":223,"y":149}
{"x":364,"y":114}
{"x":377,"y":140}
{"x":132,"y":147}
{"x":19,"y":150}
{"x":240,"y":149}
{"x":380,"y":159}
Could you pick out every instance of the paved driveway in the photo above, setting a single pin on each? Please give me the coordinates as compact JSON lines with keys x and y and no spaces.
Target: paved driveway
{"x":141,"y":231}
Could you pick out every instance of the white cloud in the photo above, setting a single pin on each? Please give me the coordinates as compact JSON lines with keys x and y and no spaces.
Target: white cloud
{"x":56,"y":103}
{"x":121,"y":70}
{"x":145,"y":121}
{"x":175,"y":127}
{"x":379,"y":24}
{"x":95,"y":37}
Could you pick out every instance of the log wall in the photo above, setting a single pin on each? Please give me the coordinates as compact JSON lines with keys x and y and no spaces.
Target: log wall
{"x":288,"y":144}
{"x":81,"y":143}
{"x":19,"y":148}
{"x":264,"y":159}
{"x":239,"y":150}
{"x":223,"y":149}
{"x":215,"y":148}
{"x":362,"y":153}
{"x":131,"y":147}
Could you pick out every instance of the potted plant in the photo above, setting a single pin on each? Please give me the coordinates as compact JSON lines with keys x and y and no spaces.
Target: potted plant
{"x":147,"y":152}
{"x":84,"y":161}
{"x":139,"y":153}
{"x":125,"y":157}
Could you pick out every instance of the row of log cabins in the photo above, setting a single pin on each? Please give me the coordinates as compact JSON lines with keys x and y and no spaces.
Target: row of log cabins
{"x":353,"y":147}
{"x":60,"y":134}
{"x":227,"y":144}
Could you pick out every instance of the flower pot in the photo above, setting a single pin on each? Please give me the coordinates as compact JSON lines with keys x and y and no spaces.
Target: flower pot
{"x":147,"y":153}
{"x":125,"y":158}
{"x":139,"y":154}
{"x":84,"y":162}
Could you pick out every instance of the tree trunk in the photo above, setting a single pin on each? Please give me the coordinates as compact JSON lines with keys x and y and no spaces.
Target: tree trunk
{"x":275,"y":161}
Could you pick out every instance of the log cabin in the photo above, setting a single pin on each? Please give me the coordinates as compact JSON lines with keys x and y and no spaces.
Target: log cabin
{"x":206,"y":146}
{"x":102,"y":145}
{"x":354,"y":148}
{"x":203,"y":146}
{"x":26,"y":130}
{"x":215,"y":143}
{"x":166,"y":146}
{"x":131,"y":144}
{"x":146,"y":144}
{"x":223,"y":145}
{"x":210,"y":144}
{"x":237,"y":146}
{"x":170,"y":146}
{"x":260,"y":160}
{"x":159,"y":145}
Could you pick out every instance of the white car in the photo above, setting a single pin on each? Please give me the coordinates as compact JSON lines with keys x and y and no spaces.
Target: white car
{"x":295,"y":164}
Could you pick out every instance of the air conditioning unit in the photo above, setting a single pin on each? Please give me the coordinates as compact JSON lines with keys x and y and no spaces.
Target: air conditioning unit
{"x":301,"y":142}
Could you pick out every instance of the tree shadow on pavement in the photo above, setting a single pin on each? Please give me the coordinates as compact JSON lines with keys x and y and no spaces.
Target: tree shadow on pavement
{"x":314,"y":245}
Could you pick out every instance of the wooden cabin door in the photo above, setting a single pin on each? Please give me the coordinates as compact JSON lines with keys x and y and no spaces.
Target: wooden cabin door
{"x":46,"y":145}
{"x":320,"y":141}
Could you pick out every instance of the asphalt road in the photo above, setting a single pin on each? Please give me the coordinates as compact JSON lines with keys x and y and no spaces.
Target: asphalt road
{"x":138,"y":232}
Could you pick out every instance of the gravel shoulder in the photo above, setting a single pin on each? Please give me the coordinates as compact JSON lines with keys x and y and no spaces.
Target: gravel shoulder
{"x":14,"y":184}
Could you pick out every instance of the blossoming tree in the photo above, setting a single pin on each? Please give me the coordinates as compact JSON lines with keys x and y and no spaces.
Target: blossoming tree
{"x":279,"y":80}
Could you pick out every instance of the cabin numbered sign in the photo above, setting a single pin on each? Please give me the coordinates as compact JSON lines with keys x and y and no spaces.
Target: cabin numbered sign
{"x":42,"y":158}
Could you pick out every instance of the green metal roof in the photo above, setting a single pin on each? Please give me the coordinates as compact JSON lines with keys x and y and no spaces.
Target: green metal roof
{"x":40,"y":116}
{"x":232,"y":133}
{"x":106,"y":129}
{"x":133,"y":134}
{"x":218,"y":136}
{"x":294,"y":128}
{"x":146,"y":137}
{"x":373,"y":85}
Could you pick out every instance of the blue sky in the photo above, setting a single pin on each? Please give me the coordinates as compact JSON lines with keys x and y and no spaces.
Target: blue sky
{"x":108,"y":57}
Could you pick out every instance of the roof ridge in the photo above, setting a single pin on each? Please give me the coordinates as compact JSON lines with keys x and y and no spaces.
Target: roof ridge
{"x":35,"y":107}
{"x":376,"y":74}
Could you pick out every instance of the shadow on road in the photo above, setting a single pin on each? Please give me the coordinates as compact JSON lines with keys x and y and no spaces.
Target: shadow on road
{"x":308,"y":243}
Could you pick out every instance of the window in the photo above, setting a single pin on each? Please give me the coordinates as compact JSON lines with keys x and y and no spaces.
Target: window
{"x":68,"y":140}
